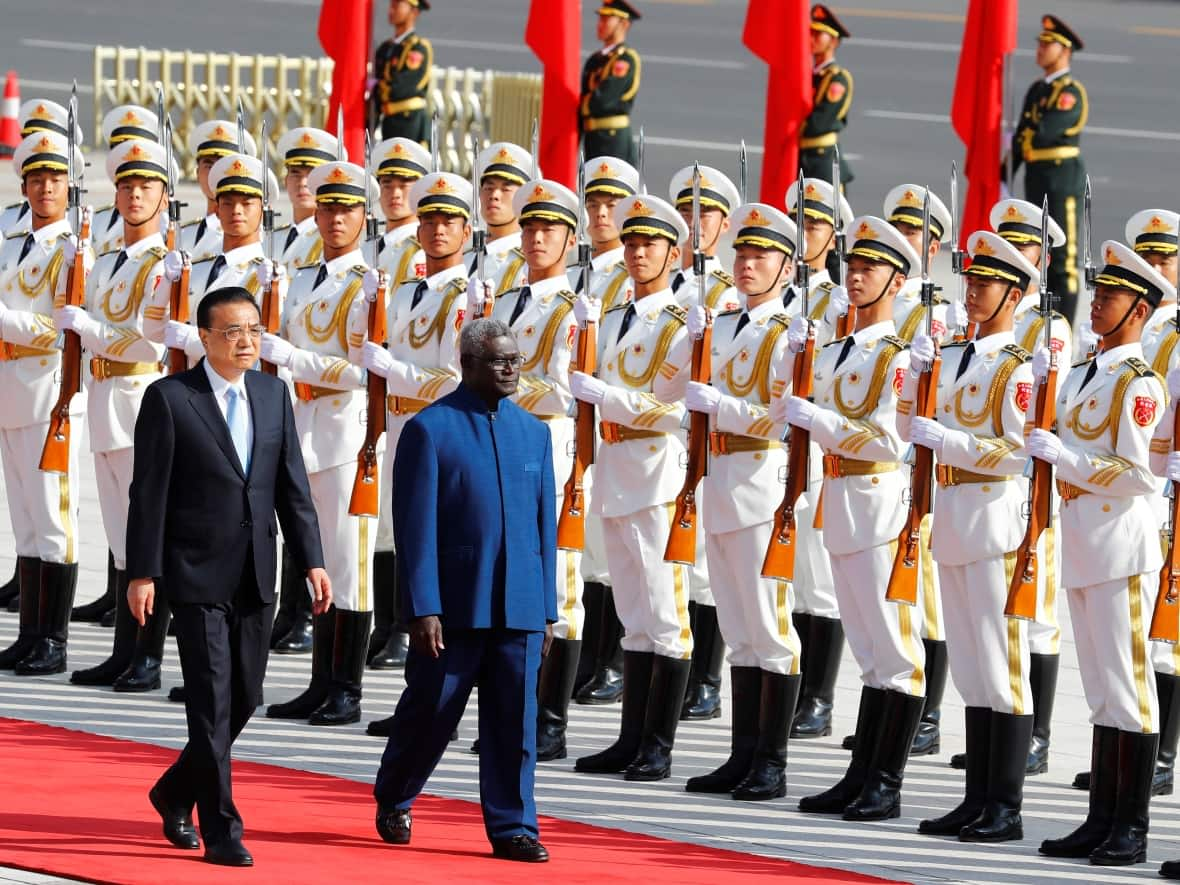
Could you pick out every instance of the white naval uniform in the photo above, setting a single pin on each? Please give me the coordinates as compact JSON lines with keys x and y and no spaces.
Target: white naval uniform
{"x":330,"y":411}
{"x":111,"y":237}
{"x":978,"y":522}
{"x":400,"y":256}
{"x":545,"y":333}
{"x":503,"y":265}
{"x":15,"y":219}
{"x":720,"y":295}
{"x":1109,"y":421}
{"x":201,"y":238}
{"x":120,"y":301}
{"x":754,"y":612}
{"x":43,"y":506}
{"x":863,"y":514}
{"x":637,"y":478}
{"x":306,"y":248}
{"x":425,"y":338}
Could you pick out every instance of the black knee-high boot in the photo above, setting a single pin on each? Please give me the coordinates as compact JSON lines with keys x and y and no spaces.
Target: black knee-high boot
{"x":94,"y":612}
{"x":147,"y":659}
{"x":59,"y":581}
{"x":124,"y":643}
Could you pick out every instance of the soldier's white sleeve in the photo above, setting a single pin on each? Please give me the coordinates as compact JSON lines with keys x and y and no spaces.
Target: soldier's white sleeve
{"x":873,"y":437}
{"x":157,"y":313}
{"x":989,"y":454}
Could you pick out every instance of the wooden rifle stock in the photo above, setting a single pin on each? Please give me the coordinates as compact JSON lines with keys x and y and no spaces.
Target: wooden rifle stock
{"x":779,"y":562}
{"x":55,"y":454}
{"x":1165,"y":620}
{"x":178,"y":310}
{"x":270,"y":319}
{"x":365,"y":500}
{"x":571,"y":523}
{"x":682,"y":538}
{"x":846,"y":323}
{"x":903,"y":579}
{"x":1022,"y":592}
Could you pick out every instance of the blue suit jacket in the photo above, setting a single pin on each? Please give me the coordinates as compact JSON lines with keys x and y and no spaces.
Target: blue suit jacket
{"x":460,"y":473}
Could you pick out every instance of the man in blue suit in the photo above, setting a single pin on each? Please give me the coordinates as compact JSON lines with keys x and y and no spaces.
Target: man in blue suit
{"x":474,"y":523}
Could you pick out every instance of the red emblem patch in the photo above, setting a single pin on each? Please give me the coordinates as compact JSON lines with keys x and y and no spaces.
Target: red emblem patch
{"x":937,"y":329}
{"x":836,"y":91}
{"x":1066,"y":101}
{"x":1023,"y":395}
{"x":420,"y":270}
{"x":898,"y":381}
{"x":459,"y":314}
{"x":569,"y":341}
{"x":414,"y":60}
{"x":1144,"y":412}
{"x":621,"y":67}
{"x":1056,"y":345}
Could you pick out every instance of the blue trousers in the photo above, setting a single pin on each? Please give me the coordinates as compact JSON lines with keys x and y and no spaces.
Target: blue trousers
{"x":505,"y":664}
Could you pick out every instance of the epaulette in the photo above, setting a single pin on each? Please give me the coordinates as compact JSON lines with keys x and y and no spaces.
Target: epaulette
{"x":619,"y":307}
{"x":729,"y":313}
{"x":1140,"y":368}
{"x":826,"y":286}
{"x":282,"y":227}
{"x":202,"y":259}
{"x":108,"y":252}
{"x":1017,"y":351}
{"x":1084,"y":362}
{"x":15,"y":236}
{"x":515,"y":251}
{"x":257,"y":259}
{"x":900,"y":343}
{"x":107,"y":208}
{"x":457,"y":285}
{"x":723,"y":276}
{"x":13,"y":206}
{"x":307,"y":265}
{"x":567,"y":295}
{"x":157,"y":252}
{"x":834,"y":341}
{"x":782,"y":319}
{"x":359,"y":269}
{"x":950,"y":344}
{"x":191,"y":223}
{"x":679,"y":312}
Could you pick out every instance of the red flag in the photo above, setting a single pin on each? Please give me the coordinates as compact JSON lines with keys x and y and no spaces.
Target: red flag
{"x":554,"y":33}
{"x":978,"y":105}
{"x":778,"y":32}
{"x":344,"y":31}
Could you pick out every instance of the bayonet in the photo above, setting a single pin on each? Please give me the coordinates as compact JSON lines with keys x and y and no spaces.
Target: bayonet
{"x":837,"y":216}
{"x":927,"y":283}
{"x":956,"y":252}
{"x":534,"y":147}
{"x":1046,"y":296}
{"x":75,"y":172}
{"x":479,"y":234}
{"x":241,"y":127}
{"x":341,"y":150}
{"x":698,"y":256}
{"x":268,"y":213}
{"x":639,"y":159}
{"x":743,"y":171}
{"x":1087,"y":204}
{"x":371,"y":231}
{"x":434,"y":153}
{"x":160,"y":112}
{"x":802,"y":271}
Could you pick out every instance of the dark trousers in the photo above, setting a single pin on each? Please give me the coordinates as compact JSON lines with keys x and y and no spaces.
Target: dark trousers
{"x":414,"y":125}
{"x":817,"y":163}
{"x":223,"y":650}
{"x":505,"y":663}
{"x":1064,"y":183}
{"x":611,"y":143}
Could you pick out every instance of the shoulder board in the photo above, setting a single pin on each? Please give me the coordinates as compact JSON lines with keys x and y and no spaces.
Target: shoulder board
{"x":108,"y":252}
{"x":826,"y":286}
{"x":282,"y":227}
{"x":619,"y":307}
{"x":679,"y":312}
{"x":157,"y":252}
{"x":1140,"y":368}
{"x":516,"y":252}
{"x":258,"y":259}
{"x":723,"y":276}
{"x":567,"y":295}
{"x":839,"y":341}
{"x":359,"y":269}
{"x":418,"y":38}
{"x":307,"y":265}
{"x":1084,"y":362}
{"x":729,"y":313}
{"x":781,"y":319}
{"x":203,"y":259}
{"x":1017,"y":351}
{"x":19,"y":236}
{"x":14,"y":205}
{"x":459,"y":285}
{"x":508,"y":292}
{"x":899,"y":343}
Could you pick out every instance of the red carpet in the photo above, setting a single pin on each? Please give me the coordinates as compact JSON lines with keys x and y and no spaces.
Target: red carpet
{"x":75,"y":804}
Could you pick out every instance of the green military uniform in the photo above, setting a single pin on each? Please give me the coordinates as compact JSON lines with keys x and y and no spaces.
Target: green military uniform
{"x":403,"y":70}
{"x":832,"y":98}
{"x":610,"y":82}
{"x":1046,"y":141}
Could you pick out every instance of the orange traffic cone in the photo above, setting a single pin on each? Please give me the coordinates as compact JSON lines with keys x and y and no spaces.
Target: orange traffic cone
{"x":9,"y":111}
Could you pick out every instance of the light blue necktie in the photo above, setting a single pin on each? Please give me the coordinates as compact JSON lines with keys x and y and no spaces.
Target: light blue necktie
{"x":235,"y":417}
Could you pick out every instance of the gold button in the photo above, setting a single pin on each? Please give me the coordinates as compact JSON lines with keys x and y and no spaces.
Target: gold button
{"x":946,"y":408}
{"x":876,"y":479}
{"x":987,"y":488}
{"x":757,"y":456}
{"x":135,"y":384}
{"x":44,"y":361}
{"x":653,"y":448}
{"x":1106,"y":508}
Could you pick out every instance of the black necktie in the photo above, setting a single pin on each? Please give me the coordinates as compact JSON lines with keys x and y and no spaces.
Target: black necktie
{"x":968,"y":352}
{"x":677,"y":281}
{"x":321,"y":275}
{"x":844,"y":351}
{"x":526,"y":296}
{"x":380,"y":245}
{"x":579,"y":286}
{"x":292,"y":236}
{"x":788,"y":296}
{"x":1090,"y":373}
{"x":120,"y":259}
{"x":741,"y":323}
{"x":628,"y":317}
{"x":26,"y":247}
{"x":114,"y":216}
{"x":217,"y":268}
{"x":201,"y":228}
{"x":419,"y":291}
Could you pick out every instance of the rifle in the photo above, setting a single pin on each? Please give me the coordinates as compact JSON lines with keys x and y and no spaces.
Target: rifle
{"x":341,"y":148}
{"x":270,"y":298}
{"x":639,"y":160}
{"x":55,"y":454}
{"x":435,"y":162}
{"x":1087,"y":204}
{"x":534,"y":146}
{"x":571,"y":523}
{"x":682,"y":539}
{"x":479,"y":233}
{"x":365,"y":500}
{"x":1165,"y":620}
{"x":962,"y":333}
{"x":1022,"y":592}
{"x":743,"y":170}
{"x":779,"y":562}
{"x":178,"y":296}
{"x":845,"y":323}
{"x":903,"y":579}
{"x":241,"y":127}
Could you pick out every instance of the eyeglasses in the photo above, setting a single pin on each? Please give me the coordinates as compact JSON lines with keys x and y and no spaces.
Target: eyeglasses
{"x":503,"y":363}
{"x":234,"y":333}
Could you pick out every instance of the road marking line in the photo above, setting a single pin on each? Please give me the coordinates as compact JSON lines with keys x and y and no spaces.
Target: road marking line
{"x":1155,"y":31}
{"x":955,"y":48}
{"x":54,"y":86}
{"x":1141,"y":134}
{"x":66,"y":45}
{"x":901,"y":14}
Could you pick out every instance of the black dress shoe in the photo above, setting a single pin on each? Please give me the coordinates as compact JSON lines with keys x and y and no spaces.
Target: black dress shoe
{"x":178,"y":825}
{"x":522,"y":848}
{"x":228,"y":853}
{"x":380,"y":727}
{"x":176,"y":694}
{"x":394,"y":824}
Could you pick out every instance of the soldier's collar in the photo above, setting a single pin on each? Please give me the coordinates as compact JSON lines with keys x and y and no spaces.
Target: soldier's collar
{"x":399,"y":234}
{"x":827,"y":63}
{"x":505,"y":244}
{"x":993,"y":343}
{"x":873,"y":333}
{"x":545,"y":288}
{"x":341,"y":263}
{"x":242,"y":254}
{"x":306,"y":226}
{"x":766,"y":309}
{"x":140,"y":246}
{"x":1115,"y":355}
{"x":437,"y":281}
{"x":1057,"y":75}
{"x":398,"y":41}
{"x":50,"y":231}
{"x":609,"y":258}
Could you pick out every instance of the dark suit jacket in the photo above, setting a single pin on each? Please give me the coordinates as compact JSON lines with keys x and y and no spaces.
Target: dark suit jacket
{"x":195,"y":516}
{"x":463,"y":478}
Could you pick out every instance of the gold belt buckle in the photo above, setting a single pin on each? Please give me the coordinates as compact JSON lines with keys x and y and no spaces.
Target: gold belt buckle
{"x":945,"y":475}
{"x":718,"y":443}
{"x":832,"y":466}
{"x":609,"y":431}
{"x":98,"y":368}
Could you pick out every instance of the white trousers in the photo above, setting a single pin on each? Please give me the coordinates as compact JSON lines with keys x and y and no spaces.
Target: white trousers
{"x":651,"y":596}
{"x":987,"y":651}
{"x":885,"y":637}
{"x":348,"y":541}
{"x":929,"y":597}
{"x":1044,"y":634}
{"x":1110,"y":623}
{"x":815,"y":591}
{"x":112,"y":473}
{"x":43,"y":506}
{"x":754,"y":613}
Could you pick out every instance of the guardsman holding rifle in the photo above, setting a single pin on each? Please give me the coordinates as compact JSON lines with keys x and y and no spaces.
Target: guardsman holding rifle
{"x":610,"y":82}
{"x":832,"y":98}
{"x":208,"y":143}
{"x":403,"y":66}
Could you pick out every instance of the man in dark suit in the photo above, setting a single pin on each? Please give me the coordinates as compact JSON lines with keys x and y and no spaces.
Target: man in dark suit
{"x":474,"y":520}
{"x":216,"y":458}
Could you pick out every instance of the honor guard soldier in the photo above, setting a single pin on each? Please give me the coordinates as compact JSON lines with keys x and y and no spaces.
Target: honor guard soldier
{"x":608,"y":180}
{"x":816,"y":613}
{"x":121,"y":124}
{"x":302,"y":150}
{"x":1046,"y":142}
{"x":403,"y":66}
{"x":124,"y":361}
{"x":35,"y":115}
{"x":330,"y":412}
{"x":540,"y":315}
{"x":208,"y":143}
{"x":503,"y":168}
{"x":1108,"y":409}
{"x":400,"y":164}
{"x":644,"y":356}
{"x":858,"y":381}
{"x":746,"y":458}
{"x":831,"y":87}
{"x":43,"y":506}
{"x":984,"y":389}
{"x":610,"y":82}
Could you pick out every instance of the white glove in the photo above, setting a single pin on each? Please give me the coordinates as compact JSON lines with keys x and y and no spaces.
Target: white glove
{"x":837,"y":305}
{"x":264,"y":273}
{"x":179,"y":335}
{"x":76,"y":319}
{"x":928,"y":434}
{"x":587,"y":388}
{"x":1087,"y":340}
{"x":69,"y":249}
{"x":478,"y":292}
{"x":173,"y":265}
{"x":275,"y":350}
{"x":698,"y":319}
{"x":797,"y":333}
{"x":1174,"y":383}
{"x":587,"y":310}
{"x":1040,"y":363}
{"x":1172,"y":471}
{"x":702,"y":397}
{"x":956,"y":315}
{"x":1045,"y":446}
{"x":377,"y":359}
{"x":778,"y":409}
{"x":922,"y":352}
{"x":801,"y":412}
{"x":370,"y":282}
